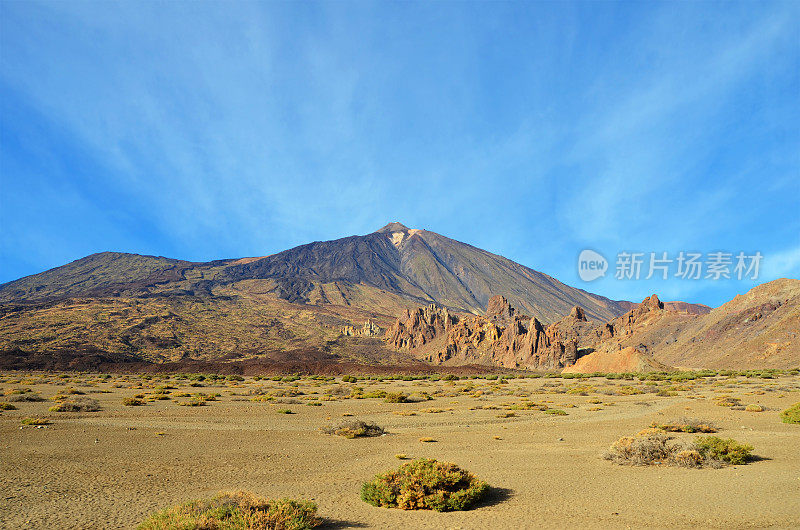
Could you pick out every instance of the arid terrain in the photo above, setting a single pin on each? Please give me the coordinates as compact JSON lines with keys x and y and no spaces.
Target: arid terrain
{"x":110,"y":468}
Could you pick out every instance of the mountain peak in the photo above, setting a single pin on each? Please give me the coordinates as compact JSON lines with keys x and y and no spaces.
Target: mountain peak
{"x":394,"y":226}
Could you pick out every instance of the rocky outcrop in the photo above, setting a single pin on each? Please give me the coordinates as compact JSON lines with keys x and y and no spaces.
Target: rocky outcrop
{"x":500,"y":337}
{"x":498,"y":310}
{"x":369,"y":329}
{"x":631,"y":322}
{"x":420,"y":327}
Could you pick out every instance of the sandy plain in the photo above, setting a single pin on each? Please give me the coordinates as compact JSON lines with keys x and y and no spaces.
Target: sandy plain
{"x":110,"y":468}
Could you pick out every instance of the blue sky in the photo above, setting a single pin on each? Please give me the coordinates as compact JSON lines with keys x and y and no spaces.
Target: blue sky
{"x":534,"y":130}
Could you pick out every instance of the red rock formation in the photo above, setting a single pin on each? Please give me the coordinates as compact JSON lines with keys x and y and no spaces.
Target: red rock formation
{"x":418,"y":328}
{"x":499,"y":338}
{"x":369,"y":329}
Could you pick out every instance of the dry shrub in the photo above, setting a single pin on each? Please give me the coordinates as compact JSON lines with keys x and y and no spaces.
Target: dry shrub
{"x":132,"y":402}
{"x":425,"y":484}
{"x":18,"y":397}
{"x":194,"y":402}
{"x":653,"y":447}
{"x":338,"y":390}
{"x":396,"y":397}
{"x":354,"y":429}
{"x":79,"y":404}
{"x":686,"y":425}
{"x":728,"y":401}
{"x":647,"y":449}
{"x":237,"y":510}
{"x":688,"y":458}
{"x":36,"y":421}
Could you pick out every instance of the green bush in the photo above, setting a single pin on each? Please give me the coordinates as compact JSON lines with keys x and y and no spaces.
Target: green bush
{"x":396,"y":397}
{"x":238,"y":510}
{"x":724,"y":450}
{"x":792,"y":414}
{"x":425,"y":484}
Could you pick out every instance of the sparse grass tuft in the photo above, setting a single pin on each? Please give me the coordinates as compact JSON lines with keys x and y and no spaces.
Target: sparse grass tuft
{"x":238,"y":510}
{"x":424,"y":484}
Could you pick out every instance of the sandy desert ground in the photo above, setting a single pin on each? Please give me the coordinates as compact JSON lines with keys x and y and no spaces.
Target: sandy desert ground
{"x":110,"y":468}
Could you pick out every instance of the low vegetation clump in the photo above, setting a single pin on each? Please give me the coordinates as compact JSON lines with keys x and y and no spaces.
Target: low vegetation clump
{"x":7,"y":406}
{"x":724,"y":450}
{"x":646,"y":448}
{"x":22,"y":394}
{"x":238,"y":510}
{"x":792,"y":414}
{"x":79,"y":404}
{"x":685,"y":425}
{"x":396,"y":397}
{"x":36,"y":421}
{"x":727,"y":401}
{"x":132,"y":402}
{"x":653,"y":447}
{"x":754,"y":408}
{"x":354,"y":429}
{"x":425,"y":484}
{"x":194,"y":402}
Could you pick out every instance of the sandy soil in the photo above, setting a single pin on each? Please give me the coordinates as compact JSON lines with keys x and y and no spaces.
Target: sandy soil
{"x":108,"y":469}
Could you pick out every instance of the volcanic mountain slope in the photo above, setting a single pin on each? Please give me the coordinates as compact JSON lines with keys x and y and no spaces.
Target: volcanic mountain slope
{"x":760,"y":329}
{"x":414,"y":265}
{"x":166,"y":309}
{"x":420,"y":266}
